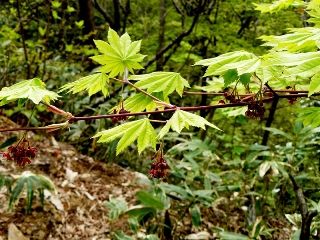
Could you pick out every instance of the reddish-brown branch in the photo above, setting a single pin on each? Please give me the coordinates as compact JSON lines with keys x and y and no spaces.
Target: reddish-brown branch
{"x":241,"y":95}
{"x":72,"y":119}
{"x":189,"y":109}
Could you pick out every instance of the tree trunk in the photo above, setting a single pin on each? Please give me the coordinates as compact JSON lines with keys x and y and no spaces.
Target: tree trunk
{"x":162,"y":22}
{"x":86,"y":14}
{"x":116,"y":16}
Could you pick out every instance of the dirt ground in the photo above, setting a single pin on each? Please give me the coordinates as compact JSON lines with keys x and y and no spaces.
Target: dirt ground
{"x":77,"y":210}
{"x":82,"y":184}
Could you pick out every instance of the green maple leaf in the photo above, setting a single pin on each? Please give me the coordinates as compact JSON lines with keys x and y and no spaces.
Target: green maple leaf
{"x":310,"y":116}
{"x":243,"y":61}
{"x":92,"y":83}
{"x":119,"y":54}
{"x":278,"y":5}
{"x":182,"y":119}
{"x":140,"y":130}
{"x":165,"y":82}
{"x":33,"y":89}
{"x":314,"y":84}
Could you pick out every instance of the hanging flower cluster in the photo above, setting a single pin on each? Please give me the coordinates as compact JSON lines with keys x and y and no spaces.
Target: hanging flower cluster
{"x":121,"y":111}
{"x":160,"y":167}
{"x":21,"y":154}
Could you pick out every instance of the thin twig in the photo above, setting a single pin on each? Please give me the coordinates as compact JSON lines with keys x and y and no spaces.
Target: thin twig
{"x":145,"y":93}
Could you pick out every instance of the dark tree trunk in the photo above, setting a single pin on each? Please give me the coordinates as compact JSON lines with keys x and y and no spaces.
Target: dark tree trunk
{"x":116,"y":16}
{"x":86,"y":14}
{"x":162,"y":22}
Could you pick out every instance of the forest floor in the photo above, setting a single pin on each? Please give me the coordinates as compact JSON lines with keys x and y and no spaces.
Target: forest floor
{"x":77,"y":211}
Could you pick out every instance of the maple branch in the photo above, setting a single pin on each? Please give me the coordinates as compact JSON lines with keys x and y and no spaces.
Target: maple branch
{"x":72,"y":118}
{"x":212,"y":93}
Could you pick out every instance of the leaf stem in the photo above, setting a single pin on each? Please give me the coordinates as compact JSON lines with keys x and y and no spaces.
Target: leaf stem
{"x":159,"y":101}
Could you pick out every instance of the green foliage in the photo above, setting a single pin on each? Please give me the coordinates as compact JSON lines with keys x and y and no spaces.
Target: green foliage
{"x":314,"y":84}
{"x":92,"y":83}
{"x":182,"y":119}
{"x":278,"y":5}
{"x":5,"y":181}
{"x":32,"y":183}
{"x":299,"y":40}
{"x":165,"y":82}
{"x":309,"y":116}
{"x":33,"y":89}
{"x":233,"y":60}
{"x":119,"y":54}
{"x":129,"y":132}
{"x":116,"y":207}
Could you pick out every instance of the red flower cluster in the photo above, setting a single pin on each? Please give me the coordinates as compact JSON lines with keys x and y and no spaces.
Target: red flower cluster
{"x":231,"y":97}
{"x":120,"y":118}
{"x":255,"y":110}
{"x":159,"y":168}
{"x":20,"y":154}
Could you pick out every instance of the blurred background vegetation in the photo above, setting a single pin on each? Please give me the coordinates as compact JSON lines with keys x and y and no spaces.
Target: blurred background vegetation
{"x":53,"y":40}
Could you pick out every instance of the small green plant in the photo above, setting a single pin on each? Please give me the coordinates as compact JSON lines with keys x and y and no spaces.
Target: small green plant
{"x":30,"y":184}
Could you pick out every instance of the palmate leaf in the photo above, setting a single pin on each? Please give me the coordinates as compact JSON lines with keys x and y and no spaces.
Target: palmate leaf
{"x":33,"y":89}
{"x":140,"y":102}
{"x":225,"y":62}
{"x":182,"y":119}
{"x":119,"y":54}
{"x":314,"y":84}
{"x":303,"y":65}
{"x":165,"y":82}
{"x":140,"y":130}
{"x":93,"y":83}
{"x":306,"y":69}
{"x":310,"y":116}
{"x":277,"y":5}
{"x":299,"y":40}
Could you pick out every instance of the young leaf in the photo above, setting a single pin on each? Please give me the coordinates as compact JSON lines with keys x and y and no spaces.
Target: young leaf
{"x":310,"y":116}
{"x":119,"y":54}
{"x":195,"y":215}
{"x":216,"y":66}
{"x":33,"y":89}
{"x":149,"y":200}
{"x":314,"y":84}
{"x":129,"y":132}
{"x":92,"y":83}
{"x":277,"y":5}
{"x":230,"y":76}
{"x":300,"y":39}
{"x":165,"y":82}
{"x":116,"y":207}
{"x":307,"y":69}
{"x":182,"y":119}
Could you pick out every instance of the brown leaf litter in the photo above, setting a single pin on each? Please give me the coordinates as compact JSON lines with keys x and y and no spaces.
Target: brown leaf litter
{"x":82,"y":184}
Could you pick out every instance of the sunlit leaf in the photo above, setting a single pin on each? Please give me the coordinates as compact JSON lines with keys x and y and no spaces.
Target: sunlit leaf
{"x":33,"y":89}
{"x":182,"y":119}
{"x":314,"y":84}
{"x":165,"y":82}
{"x":140,"y":130}
{"x":277,"y":5}
{"x":119,"y":54}
{"x":93,"y":83}
{"x":217,"y":65}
